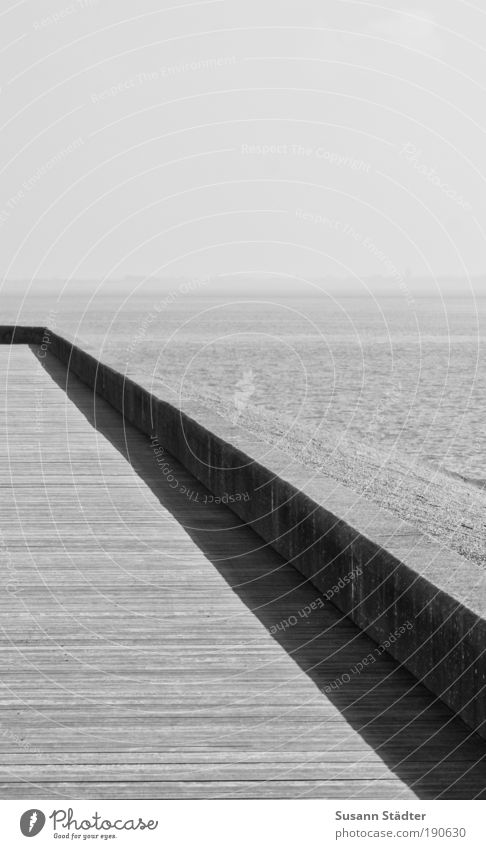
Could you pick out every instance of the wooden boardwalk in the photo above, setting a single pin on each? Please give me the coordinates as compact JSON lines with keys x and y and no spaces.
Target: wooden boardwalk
{"x":136,"y":656}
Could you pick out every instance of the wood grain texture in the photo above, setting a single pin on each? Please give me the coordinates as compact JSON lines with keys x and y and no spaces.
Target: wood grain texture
{"x":136,"y":653}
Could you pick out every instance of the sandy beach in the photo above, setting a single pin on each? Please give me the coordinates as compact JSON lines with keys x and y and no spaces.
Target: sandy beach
{"x":448,"y":508}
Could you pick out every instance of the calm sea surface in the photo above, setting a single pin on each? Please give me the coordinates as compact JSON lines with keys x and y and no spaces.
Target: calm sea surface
{"x":381,"y":371}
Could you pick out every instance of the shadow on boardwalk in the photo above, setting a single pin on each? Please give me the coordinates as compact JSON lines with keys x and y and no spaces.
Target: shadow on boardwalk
{"x":414,"y":734}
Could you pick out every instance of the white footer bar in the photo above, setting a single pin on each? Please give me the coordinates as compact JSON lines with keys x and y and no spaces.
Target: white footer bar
{"x":240,"y":824}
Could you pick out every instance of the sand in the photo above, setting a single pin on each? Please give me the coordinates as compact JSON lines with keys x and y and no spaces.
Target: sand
{"x":445,"y":507}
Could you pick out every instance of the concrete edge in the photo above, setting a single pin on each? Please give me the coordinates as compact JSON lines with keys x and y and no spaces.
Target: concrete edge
{"x":18,"y":335}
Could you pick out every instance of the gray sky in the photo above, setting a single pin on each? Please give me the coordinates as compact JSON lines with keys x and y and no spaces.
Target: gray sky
{"x":339,"y":139}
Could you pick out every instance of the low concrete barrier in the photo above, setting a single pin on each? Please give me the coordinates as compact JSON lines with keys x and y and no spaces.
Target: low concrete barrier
{"x":18,"y":335}
{"x":378,"y":570}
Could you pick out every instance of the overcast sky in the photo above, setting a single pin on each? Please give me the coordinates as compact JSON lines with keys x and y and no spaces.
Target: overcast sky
{"x":307,"y":138}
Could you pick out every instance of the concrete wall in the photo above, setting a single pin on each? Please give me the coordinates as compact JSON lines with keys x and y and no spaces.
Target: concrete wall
{"x":18,"y":335}
{"x":387,"y":573}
